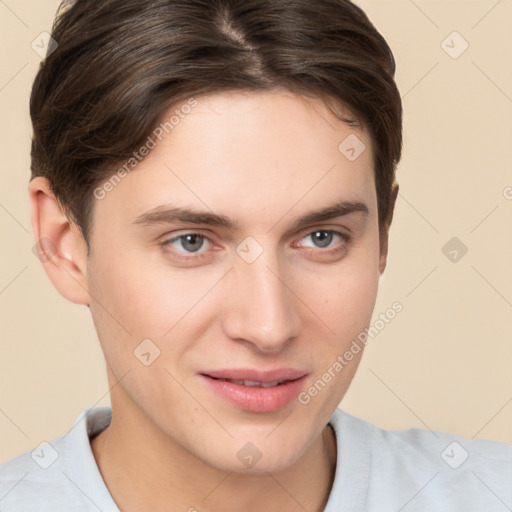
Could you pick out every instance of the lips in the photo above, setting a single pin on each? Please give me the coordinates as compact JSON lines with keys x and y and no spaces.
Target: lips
{"x":255,"y":390}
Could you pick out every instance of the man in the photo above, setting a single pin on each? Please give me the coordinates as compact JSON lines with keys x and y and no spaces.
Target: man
{"x":216,"y":181}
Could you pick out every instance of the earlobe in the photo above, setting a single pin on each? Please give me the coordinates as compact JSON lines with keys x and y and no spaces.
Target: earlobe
{"x":384,"y":234}
{"x":60,"y":245}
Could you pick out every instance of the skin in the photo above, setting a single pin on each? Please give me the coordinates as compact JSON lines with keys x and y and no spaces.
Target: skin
{"x":263,"y":160}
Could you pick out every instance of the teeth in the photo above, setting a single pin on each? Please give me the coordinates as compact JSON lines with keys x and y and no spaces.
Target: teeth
{"x":256,"y":384}
{"x":249,"y":383}
{"x":270,"y":384}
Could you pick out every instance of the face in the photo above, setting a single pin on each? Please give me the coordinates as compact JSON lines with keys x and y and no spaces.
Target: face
{"x":229,"y":271}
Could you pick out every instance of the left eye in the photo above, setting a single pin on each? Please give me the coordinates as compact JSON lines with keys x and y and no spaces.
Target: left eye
{"x":191,"y":242}
{"x":322,"y":239}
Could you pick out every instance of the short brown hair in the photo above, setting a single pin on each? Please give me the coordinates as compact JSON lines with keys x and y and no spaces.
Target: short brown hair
{"x":120,"y":64}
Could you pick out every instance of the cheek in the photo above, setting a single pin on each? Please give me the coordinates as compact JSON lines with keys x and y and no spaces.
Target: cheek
{"x":343,"y":296}
{"x":355,"y":294}
{"x":343,"y":300}
{"x":140,"y":297}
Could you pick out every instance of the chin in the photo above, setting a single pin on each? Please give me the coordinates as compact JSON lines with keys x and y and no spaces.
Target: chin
{"x":270,"y":464}
{"x":261,"y":455}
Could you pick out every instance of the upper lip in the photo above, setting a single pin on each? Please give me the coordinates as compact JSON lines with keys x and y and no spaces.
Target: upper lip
{"x":278,"y":374}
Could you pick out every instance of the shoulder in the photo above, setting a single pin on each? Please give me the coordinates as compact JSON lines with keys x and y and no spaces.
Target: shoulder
{"x":57,"y":475}
{"x":36,"y":480}
{"x":414,"y":443}
{"x":423,"y":466}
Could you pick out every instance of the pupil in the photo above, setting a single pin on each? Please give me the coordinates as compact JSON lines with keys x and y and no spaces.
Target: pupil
{"x":192,"y":243}
{"x":323,"y":238}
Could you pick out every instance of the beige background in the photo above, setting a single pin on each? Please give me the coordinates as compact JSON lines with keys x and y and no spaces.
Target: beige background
{"x":443,"y":362}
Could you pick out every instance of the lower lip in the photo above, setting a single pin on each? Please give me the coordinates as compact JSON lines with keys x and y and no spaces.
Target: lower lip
{"x":256,"y":399}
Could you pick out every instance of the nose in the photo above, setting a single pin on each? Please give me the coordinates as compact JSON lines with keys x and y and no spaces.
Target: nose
{"x":261,"y":308}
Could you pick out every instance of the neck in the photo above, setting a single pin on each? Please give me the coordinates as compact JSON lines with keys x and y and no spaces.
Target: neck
{"x":145,"y":470}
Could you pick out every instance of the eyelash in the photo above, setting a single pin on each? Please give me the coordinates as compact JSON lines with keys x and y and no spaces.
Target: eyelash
{"x":200,"y":255}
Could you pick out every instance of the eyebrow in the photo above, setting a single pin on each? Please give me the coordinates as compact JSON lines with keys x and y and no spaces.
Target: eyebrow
{"x":164,"y":214}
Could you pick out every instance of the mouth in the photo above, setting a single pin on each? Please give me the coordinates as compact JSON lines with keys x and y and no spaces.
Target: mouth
{"x":254,"y":383}
{"x":256,"y":391}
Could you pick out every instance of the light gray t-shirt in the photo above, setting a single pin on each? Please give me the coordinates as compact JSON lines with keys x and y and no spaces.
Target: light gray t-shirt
{"x":377,"y":470}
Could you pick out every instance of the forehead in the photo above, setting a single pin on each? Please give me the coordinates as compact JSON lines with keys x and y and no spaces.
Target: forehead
{"x":259,"y":153}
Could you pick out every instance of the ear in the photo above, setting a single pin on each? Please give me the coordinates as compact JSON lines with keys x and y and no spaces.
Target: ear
{"x":384,"y":231}
{"x":60,"y":246}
